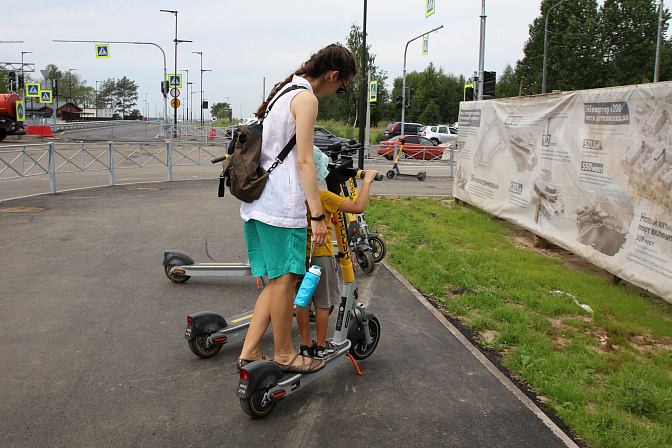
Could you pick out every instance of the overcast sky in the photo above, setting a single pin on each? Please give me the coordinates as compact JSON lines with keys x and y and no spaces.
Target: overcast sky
{"x":244,"y":41}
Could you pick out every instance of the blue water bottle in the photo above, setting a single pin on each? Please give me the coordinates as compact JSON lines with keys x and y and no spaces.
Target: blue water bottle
{"x":308,"y":286}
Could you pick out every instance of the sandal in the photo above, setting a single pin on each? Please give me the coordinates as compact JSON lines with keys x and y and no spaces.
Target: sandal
{"x":310,"y":367}
{"x":243,"y":362}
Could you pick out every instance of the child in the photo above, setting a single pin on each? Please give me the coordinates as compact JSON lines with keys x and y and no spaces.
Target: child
{"x":328,"y":289}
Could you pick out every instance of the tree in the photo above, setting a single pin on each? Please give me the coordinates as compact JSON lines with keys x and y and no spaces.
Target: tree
{"x":126,"y":92}
{"x":590,"y":47}
{"x":221,"y":110}
{"x":344,"y":107}
{"x":629,"y":32}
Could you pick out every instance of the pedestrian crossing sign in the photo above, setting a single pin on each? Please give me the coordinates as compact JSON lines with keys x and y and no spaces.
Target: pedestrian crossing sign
{"x":33,"y":89}
{"x":373,"y":91}
{"x":45,"y":96}
{"x":429,"y":8}
{"x":175,"y":81}
{"x":102,"y":51}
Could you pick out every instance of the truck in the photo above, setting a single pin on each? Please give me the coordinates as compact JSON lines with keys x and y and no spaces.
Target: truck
{"x":11,"y":115}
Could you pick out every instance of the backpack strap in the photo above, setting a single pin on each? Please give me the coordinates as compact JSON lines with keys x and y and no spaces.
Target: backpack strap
{"x":288,"y":147}
{"x":277,"y":97}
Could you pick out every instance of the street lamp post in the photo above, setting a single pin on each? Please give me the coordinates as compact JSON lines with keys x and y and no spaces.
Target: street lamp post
{"x":97,"y":98}
{"x":23,"y":90}
{"x":70,"y":70}
{"x":186,"y":98}
{"x":543,"y":71}
{"x":175,"y":91}
{"x":190,"y":118}
{"x":201,"y":53}
{"x":403,"y":82}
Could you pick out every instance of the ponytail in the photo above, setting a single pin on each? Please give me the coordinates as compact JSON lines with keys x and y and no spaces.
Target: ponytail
{"x":333,"y":57}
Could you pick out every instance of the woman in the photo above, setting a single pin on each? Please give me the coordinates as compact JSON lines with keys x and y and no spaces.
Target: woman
{"x":275,"y":224}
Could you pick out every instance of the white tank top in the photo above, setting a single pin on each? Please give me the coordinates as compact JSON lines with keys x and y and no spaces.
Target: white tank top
{"x":282,"y":203}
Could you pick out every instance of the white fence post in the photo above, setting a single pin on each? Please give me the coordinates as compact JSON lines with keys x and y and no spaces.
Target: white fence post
{"x":110,"y":148}
{"x":169,"y":161}
{"x":52,"y":168}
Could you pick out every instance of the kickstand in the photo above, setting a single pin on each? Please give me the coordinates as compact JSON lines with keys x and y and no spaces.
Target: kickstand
{"x":262,"y":282}
{"x":355,"y":363}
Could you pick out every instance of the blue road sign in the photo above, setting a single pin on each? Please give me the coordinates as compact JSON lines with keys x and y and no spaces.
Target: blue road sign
{"x":20,"y":111}
{"x":33,"y":89}
{"x":175,"y":80}
{"x":45,"y":96}
{"x":102,"y":51}
{"x":429,"y":8}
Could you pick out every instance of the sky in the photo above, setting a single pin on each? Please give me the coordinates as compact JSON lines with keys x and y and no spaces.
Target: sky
{"x":246,"y":42}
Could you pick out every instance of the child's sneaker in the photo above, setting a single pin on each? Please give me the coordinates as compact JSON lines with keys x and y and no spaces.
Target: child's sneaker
{"x":324,"y":352}
{"x":308,"y":352}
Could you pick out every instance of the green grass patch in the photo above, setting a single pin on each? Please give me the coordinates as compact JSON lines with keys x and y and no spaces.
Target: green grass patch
{"x":608,"y":375}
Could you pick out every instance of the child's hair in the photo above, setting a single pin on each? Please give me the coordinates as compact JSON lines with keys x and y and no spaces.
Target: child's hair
{"x":332,"y":57}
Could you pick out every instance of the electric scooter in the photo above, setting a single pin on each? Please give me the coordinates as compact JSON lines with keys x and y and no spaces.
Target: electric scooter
{"x":356,"y":334}
{"x":394,"y":173}
{"x":367,"y":247}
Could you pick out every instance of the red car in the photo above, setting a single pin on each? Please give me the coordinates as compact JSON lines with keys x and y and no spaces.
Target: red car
{"x":415,"y":147}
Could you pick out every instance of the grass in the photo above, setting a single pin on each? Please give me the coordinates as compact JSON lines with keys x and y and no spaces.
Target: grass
{"x":608,"y":375}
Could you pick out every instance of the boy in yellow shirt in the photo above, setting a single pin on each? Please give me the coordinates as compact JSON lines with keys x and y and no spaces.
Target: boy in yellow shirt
{"x":328,"y":289}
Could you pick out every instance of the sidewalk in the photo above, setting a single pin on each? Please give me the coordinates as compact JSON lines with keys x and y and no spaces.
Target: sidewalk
{"x":94,"y":353}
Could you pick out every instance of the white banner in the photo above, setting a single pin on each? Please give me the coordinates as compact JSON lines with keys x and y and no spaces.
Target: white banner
{"x":590,"y":171}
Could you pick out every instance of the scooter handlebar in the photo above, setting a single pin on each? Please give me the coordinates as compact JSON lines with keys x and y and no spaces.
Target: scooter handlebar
{"x":362,"y":173}
{"x":219,"y":159}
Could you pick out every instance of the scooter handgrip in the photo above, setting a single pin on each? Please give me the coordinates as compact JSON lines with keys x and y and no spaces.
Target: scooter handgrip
{"x":219,"y":159}
{"x":379,"y":177}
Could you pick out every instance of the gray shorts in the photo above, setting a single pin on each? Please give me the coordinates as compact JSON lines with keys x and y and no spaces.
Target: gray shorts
{"x":328,"y":290}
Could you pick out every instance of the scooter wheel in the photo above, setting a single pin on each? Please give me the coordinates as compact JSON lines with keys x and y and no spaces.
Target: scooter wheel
{"x":198,"y":347}
{"x":254,"y":406}
{"x":422,"y":176}
{"x":365,"y":260}
{"x":378,"y":248}
{"x":359,"y":348}
{"x":390,"y":174}
{"x":177,"y":278}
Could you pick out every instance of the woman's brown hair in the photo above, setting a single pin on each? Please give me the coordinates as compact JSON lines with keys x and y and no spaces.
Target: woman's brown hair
{"x":332,"y":57}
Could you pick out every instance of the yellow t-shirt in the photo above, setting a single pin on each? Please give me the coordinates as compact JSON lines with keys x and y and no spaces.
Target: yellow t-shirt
{"x":331,"y":202}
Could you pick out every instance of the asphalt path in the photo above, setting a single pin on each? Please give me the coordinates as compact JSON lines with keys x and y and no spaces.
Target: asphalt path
{"x":94,"y":354}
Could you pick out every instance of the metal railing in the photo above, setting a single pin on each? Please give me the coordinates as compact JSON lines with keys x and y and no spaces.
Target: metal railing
{"x":20,"y":161}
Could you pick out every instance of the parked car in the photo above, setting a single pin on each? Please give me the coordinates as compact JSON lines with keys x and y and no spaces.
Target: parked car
{"x":394,"y":129}
{"x":323,"y":138}
{"x":415,"y":147}
{"x":439,"y":133}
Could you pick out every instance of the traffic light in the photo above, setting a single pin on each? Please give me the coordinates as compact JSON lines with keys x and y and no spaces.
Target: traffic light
{"x":12,"y":80}
{"x":164,"y":88}
{"x":400,"y":101}
{"x":21,"y":82}
{"x":410,"y":97}
{"x":489,"y":80}
{"x":54,"y":89}
{"x":468,"y":92}
{"x":205,"y":104}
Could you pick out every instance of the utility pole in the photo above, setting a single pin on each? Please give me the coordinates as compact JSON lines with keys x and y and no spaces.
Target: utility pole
{"x":481,"y":52}
{"x":175,"y":91}
{"x":362,"y":92}
{"x":659,"y":43}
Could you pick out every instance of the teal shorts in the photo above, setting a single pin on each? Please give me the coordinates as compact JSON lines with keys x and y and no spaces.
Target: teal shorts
{"x":275,"y":251}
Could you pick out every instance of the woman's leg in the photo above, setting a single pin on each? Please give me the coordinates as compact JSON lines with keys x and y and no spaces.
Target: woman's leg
{"x":281,"y":313}
{"x":258,"y":325}
{"x":321,"y":325}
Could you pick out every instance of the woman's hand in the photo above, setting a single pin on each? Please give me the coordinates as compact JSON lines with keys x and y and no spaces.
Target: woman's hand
{"x":320,"y":234}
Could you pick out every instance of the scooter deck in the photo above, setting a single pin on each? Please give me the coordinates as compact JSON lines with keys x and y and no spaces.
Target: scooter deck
{"x":293,"y":381}
{"x":217,"y":269}
{"x":237,"y":322}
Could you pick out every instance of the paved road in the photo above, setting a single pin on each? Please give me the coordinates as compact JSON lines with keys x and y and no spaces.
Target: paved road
{"x":93,"y":351}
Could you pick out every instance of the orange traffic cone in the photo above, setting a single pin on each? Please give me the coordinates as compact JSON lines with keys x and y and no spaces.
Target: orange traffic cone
{"x":213,"y":133}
